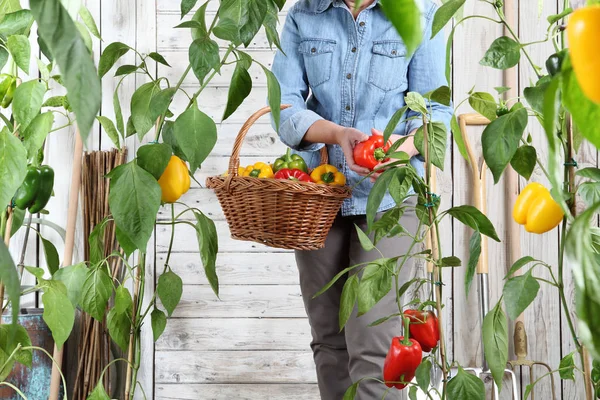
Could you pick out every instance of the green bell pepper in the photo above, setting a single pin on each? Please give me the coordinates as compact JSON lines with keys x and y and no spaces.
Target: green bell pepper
{"x":290,"y":161}
{"x":36,"y":189}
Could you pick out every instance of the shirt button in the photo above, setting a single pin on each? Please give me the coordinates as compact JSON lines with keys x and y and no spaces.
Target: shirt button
{"x":313,"y":50}
{"x":354,"y":49}
{"x":362,"y":24}
{"x":349,"y":76}
{"x":394,"y":52}
{"x":347,"y":108}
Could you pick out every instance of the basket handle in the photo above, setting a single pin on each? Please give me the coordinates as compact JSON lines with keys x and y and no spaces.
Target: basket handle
{"x":234,"y":161}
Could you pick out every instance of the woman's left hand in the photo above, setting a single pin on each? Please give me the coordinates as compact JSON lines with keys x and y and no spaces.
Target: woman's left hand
{"x":408,"y":147}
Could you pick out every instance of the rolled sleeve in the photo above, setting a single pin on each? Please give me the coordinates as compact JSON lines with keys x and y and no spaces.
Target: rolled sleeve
{"x":294,"y":128}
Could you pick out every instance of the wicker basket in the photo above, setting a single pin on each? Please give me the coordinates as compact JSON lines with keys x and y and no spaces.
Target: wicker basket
{"x":277,"y":213}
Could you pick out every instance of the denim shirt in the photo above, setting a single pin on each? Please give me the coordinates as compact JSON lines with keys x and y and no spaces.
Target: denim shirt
{"x":354,"y":73}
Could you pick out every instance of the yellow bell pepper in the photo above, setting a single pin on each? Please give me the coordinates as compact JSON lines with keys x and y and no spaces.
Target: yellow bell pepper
{"x":328,"y":175}
{"x":175,"y":180}
{"x":259,"y":170}
{"x":583,"y":32}
{"x":240,"y":172}
{"x":536,"y":209}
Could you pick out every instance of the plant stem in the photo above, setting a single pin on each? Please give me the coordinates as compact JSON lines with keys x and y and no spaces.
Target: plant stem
{"x":212,"y":75}
{"x":134,"y":335}
{"x":163,"y":116}
{"x":406,"y":340}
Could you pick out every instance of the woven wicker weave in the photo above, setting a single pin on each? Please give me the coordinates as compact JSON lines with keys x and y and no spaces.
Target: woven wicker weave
{"x":277,"y":213}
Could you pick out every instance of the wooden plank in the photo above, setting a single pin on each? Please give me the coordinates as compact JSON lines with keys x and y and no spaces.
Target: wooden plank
{"x":243,"y":367}
{"x":275,"y":391}
{"x":255,"y":301}
{"x":235,"y":334}
{"x":172,"y":7}
{"x":236,"y":268}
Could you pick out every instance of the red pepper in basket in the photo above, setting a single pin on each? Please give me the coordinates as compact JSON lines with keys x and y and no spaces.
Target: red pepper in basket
{"x":424,"y":328}
{"x":293,"y":175}
{"x":371,"y":152}
{"x":402,"y":361}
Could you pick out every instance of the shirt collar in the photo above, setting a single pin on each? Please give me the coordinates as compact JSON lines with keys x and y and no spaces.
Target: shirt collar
{"x":324,"y":4}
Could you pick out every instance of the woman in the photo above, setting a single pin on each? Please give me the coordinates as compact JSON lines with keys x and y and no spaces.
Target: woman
{"x":345,"y":73}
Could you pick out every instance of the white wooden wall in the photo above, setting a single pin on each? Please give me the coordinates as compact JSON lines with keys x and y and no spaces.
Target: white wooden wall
{"x":253,"y":342}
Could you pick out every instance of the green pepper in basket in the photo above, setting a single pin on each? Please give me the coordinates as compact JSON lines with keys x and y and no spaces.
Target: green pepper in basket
{"x":36,"y":189}
{"x":290,"y":161}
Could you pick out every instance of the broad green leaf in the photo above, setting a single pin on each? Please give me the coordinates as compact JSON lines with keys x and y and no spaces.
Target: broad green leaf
{"x":118,"y":112}
{"x":504,"y":53}
{"x":169,"y":138}
{"x":451,"y":261}
{"x":270,"y":24}
{"x":423,"y":375}
{"x":240,"y":20}
{"x":349,"y":296}
{"x":495,"y":342}
{"x":535,"y":94}
{"x":484,"y":103}
{"x":27,"y":102}
{"x":95,"y":292}
{"x":17,"y":221}
{"x":141,"y":114}
{"x":500,"y":140}
{"x":126,"y":69}
{"x":5,"y":364}
{"x":19,"y":47}
{"x":437,"y":136}
{"x":474,"y":255}
{"x":158,"y":58}
{"x":21,"y":337}
{"x":365,"y":242}
{"x":3,"y":57}
{"x":416,"y":102}
{"x":274,"y":96}
{"x":73,"y":277}
{"x":51,"y":254}
{"x":474,"y":219}
{"x":98,"y":393}
{"x":524,"y":161}
{"x":134,"y":200}
{"x":57,"y":101}
{"x":350,"y":393}
{"x":189,"y":24}
{"x":239,"y":90}
{"x":125,"y":242}
{"x":590,"y":173}
{"x":520,"y":263}
{"x":441,"y":95}
{"x":59,"y":312}
{"x":458,"y":138}
{"x":200,"y":17}
{"x":161,"y":101}
{"x":119,"y":327}
{"x":16,"y":22}
{"x":552,"y":105}
{"x":412,"y":393}
{"x":204,"y":57}
{"x":196,"y":135}
{"x":73,"y":58}
{"x":123,"y":300}
{"x":158,"y":320}
{"x":109,"y":57}
{"x":186,"y":6}
{"x":444,"y":14}
{"x":110,"y":130}
{"x":465,"y":386}
{"x":36,"y":133}
{"x":96,"y":242}
{"x":36,"y":271}
{"x":519,"y":292}
{"x":375,"y":283}
{"x":501,"y":89}
{"x":13,"y":165}
{"x":85,"y":35}
{"x":154,"y":158}
{"x":566,"y":368}
{"x":405,"y":16}
{"x":208,"y":245}
{"x":589,"y":192}
{"x":394,"y":121}
{"x":89,"y":22}
{"x":169,"y":290}
{"x":377,"y":194}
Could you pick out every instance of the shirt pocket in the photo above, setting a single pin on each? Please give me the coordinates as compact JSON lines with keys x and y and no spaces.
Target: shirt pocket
{"x":388,"y":65}
{"x":318,"y":59}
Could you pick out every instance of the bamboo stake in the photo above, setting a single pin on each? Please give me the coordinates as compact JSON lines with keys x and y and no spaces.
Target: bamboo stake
{"x":130,"y":352}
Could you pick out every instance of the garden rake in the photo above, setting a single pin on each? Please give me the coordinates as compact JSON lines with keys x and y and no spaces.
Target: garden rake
{"x":480,"y":201}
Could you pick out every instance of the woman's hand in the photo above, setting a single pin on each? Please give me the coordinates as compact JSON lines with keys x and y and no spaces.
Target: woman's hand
{"x":347,"y":139}
{"x":408,"y":147}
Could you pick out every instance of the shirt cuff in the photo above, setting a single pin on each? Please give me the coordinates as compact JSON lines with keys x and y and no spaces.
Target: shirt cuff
{"x":293,"y":130}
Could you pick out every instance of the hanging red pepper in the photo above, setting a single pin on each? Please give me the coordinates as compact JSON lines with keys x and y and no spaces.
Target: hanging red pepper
{"x":424,"y":328}
{"x":293,"y":175}
{"x":402,"y":360}
{"x":371,"y":152}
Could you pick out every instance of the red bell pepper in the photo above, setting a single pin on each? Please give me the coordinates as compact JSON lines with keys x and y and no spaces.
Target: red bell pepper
{"x":293,"y":175}
{"x":371,"y":152}
{"x":424,"y":328}
{"x":403,"y":359}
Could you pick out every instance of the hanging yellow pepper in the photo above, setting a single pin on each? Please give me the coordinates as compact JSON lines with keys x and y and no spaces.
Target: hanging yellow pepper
{"x":328,"y":175}
{"x":175,"y":180}
{"x":536,"y":209}
{"x":259,"y":170}
{"x":583,"y":31}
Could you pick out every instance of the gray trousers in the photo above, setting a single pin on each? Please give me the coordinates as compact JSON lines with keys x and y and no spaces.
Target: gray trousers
{"x":358,"y":351}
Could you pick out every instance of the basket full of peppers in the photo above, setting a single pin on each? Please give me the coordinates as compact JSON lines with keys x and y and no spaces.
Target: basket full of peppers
{"x":284,"y":204}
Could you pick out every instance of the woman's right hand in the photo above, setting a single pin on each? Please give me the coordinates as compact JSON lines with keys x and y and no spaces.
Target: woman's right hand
{"x":347,"y":139}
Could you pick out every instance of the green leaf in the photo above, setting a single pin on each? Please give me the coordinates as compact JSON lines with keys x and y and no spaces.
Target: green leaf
{"x":154,"y":158}
{"x":240,"y":20}
{"x":89,"y":22}
{"x":394,"y":121}
{"x":19,"y":47}
{"x":500,"y":140}
{"x":444,"y":14}
{"x":465,"y":386}
{"x":590,"y":173}
{"x":520,"y":263}
{"x":274,"y":95}
{"x":73,"y":58}
{"x":416,"y":102}
{"x":552,"y":105}
{"x":377,"y":194}
{"x":6,"y":364}
{"x":35,"y":271}
{"x":110,"y":130}
{"x":96,"y":242}
{"x":495,"y":342}
{"x":458,"y":138}
{"x":17,"y":221}
{"x":99,"y":393}
{"x":474,"y":255}
{"x":134,"y":200}
{"x":27,"y":103}
{"x":441,"y":95}
{"x":109,"y":57}
{"x":501,"y":89}
{"x":270,"y":24}
{"x":17,"y":22}
{"x":59,"y":313}
{"x":350,"y":393}
{"x":36,"y":133}
{"x":423,"y":375}
{"x":519,"y":292}
{"x":160,"y":102}
{"x":169,"y":138}
{"x":8,"y":346}
{"x":73,"y":277}
{"x":474,"y":219}
{"x":365,"y":242}
{"x":405,"y":16}
{"x":57,"y":101}
{"x":412,"y":393}
{"x":13,"y":166}
{"x":239,"y":90}
{"x":119,"y":327}
{"x":158,"y":320}
{"x":524,"y":161}
{"x":589,"y":192}
{"x":504,"y":53}
{"x":200,"y":17}
{"x":186,"y":6}
{"x":126,"y":70}
{"x":349,"y":296}
{"x":95,"y":292}
{"x":437,"y":137}
{"x":169,"y":290}
{"x":85,"y":35}
{"x":535,"y":94}
{"x":158,"y":58}
{"x":484,"y":103}
{"x":196,"y":135}
{"x":141,"y":114}
{"x":51,"y":255}
{"x":451,"y":261}
{"x":566,"y":368}
{"x":123,"y":300}
{"x":204,"y":57}
{"x":375,"y":283}
{"x":125,"y":242}
{"x":208,"y":245}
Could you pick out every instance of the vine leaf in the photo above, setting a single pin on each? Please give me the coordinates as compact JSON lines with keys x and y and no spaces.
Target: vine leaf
{"x":59,"y":312}
{"x":158,"y":320}
{"x":169,"y":290}
{"x":519,"y":292}
{"x":405,"y":15}
{"x":495,"y":342}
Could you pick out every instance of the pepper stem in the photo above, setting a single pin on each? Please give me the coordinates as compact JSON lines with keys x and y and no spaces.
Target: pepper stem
{"x":255,"y":173}
{"x":288,"y":155}
{"x":406,"y":341}
{"x":379,"y":154}
{"x":328,"y":177}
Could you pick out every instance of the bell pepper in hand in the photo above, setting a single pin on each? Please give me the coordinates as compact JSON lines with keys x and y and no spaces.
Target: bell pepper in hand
{"x":583,"y":31}
{"x":259,"y":170}
{"x":290,"y":161}
{"x":328,"y":175}
{"x":371,"y":152}
{"x":36,"y":189}
{"x":536,"y":209}
{"x":402,"y":360}
{"x":175,"y":180}
{"x":424,"y":328}
{"x":293,"y":175}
